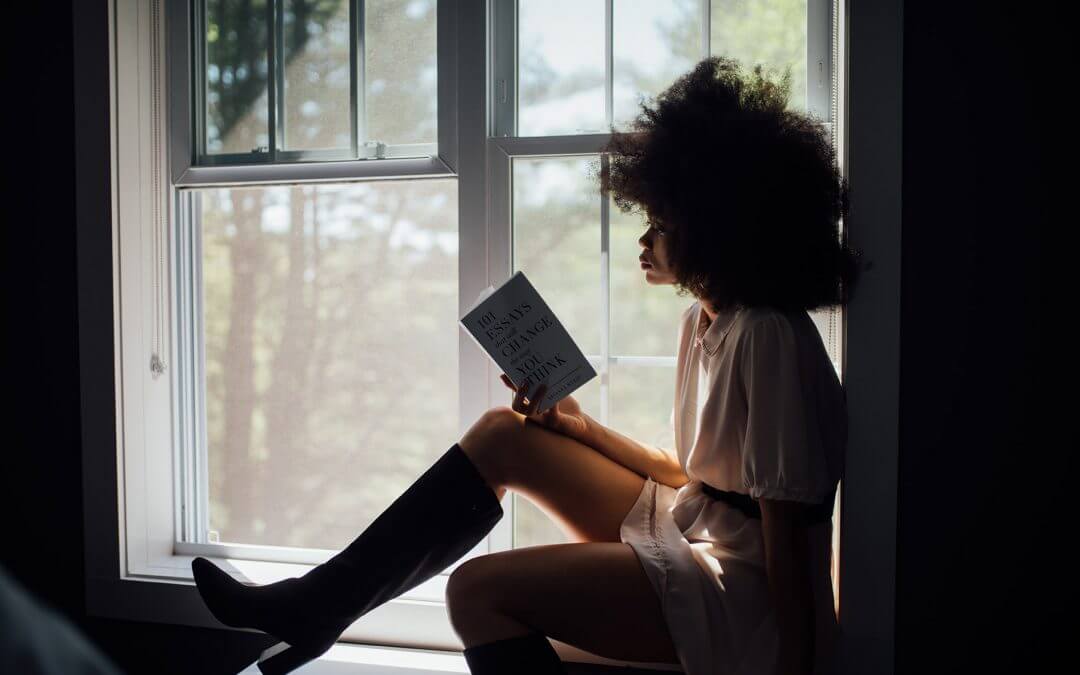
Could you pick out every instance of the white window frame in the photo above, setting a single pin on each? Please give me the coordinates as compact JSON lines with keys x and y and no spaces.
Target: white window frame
{"x":133,"y":568}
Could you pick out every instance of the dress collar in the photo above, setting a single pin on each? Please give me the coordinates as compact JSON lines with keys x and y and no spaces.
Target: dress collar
{"x":710,"y":337}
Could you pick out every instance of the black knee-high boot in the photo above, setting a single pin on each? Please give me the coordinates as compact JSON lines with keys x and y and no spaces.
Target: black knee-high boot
{"x":436,"y":521}
{"x":529,"y":654}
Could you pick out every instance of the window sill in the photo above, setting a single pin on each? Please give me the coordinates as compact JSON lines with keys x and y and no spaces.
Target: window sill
{"x":377,"y":660}
{"x":356,"y":659}
{"x":169,"y":596}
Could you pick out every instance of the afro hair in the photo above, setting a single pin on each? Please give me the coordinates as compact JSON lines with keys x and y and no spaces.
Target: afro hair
{"x":748,"y":192}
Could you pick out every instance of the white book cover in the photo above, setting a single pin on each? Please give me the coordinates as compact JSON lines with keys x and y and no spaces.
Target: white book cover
{"x":521,"y":334}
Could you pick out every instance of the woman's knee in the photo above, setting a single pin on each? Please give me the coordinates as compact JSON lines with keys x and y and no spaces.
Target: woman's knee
{"x":468,"y":590}
{"x":488,"y":435}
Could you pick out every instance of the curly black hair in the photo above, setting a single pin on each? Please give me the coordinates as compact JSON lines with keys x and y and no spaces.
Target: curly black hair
{"x":748,"y":192}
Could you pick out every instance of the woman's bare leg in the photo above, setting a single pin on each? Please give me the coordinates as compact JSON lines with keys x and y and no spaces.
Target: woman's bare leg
{"x":586,"y":493}
{"x":594,"y":596}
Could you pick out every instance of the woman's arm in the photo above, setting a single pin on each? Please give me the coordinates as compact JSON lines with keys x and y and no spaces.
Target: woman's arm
{"x":787,"y":560}
{"x":646,"y":460}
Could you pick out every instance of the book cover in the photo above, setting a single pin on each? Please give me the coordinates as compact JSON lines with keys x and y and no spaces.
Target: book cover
{"x":521,"y":334}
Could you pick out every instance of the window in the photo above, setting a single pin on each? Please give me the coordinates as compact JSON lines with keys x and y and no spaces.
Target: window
{"x":288,"y":175}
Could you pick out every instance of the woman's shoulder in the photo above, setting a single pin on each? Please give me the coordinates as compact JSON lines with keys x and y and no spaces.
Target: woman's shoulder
{"x":762,"y":320}
{"x":688,"y":315}
{"x":689,"y":311}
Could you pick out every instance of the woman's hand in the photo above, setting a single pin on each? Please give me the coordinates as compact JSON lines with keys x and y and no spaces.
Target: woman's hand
{"x":565,"y":417}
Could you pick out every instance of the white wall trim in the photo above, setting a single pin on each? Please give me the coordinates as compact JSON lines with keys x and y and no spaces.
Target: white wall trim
{"x":873,"y":144}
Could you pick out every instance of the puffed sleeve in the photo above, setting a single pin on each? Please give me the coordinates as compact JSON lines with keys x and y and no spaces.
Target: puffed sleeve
{"x":782,"y":455}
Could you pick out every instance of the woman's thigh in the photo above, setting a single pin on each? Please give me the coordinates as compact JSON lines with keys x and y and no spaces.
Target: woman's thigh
{"x":595,"y":596}
{"x":585,"y":492}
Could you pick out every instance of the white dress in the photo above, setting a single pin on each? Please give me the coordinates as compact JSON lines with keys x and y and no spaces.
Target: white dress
{"x":758,"y":410}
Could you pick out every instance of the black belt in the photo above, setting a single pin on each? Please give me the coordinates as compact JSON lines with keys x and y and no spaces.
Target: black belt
{"x":816,"y":513}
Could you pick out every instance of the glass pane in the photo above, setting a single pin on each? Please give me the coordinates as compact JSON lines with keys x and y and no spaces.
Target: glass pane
{"x":317,"y":74}
{"x":644,"y":316}
{"x":560,"y":67}
{"x":532,"y":525}
{"x":556,"y":241}
{"x":772,"y":32}
{"x":641,"y":400}
{"x":827,"y":322}
{"x":236,"y":72}
{"x":400,"y":75}
{"x":653,"y":43}
{"x":324,"y":400}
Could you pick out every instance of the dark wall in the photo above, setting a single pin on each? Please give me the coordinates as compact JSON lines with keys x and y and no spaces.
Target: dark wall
{"x":979,"y":481}
{"x":976,"y":483}
{"x":41,"y":493}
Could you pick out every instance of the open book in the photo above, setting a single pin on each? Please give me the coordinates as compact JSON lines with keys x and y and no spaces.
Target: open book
{"x":521,"y":334}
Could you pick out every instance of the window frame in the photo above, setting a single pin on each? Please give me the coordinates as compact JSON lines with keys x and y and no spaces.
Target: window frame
{"x":124,"y":470}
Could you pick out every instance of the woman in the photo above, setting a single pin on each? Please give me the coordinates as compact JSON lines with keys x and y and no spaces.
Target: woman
{"x":716,"y":556}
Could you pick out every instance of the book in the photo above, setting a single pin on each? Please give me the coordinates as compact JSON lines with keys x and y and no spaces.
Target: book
{"x":520,"y":333}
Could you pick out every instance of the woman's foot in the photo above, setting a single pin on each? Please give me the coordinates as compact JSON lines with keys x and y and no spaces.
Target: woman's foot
{"x":275,"y":608}
{"x":445,"y":512}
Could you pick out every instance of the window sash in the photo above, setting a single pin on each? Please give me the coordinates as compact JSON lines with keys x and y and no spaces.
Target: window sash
{"x":156,"y":481}
{"x":275,"y":99}
{"x":190,"y":165}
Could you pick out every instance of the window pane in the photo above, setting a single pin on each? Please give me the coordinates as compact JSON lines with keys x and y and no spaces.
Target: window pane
{"x":556,"y":241}
{"x":772,"y":32}
{"x":653,"y":43}
{"x":644,"y":316}
{"x":317,"y":74}
{"x":532,"y":525}
{"x":560,"y":67}
{"x":331,"y":357}
{"x":641,"y":400}
{"x":400,"y":72}
{"x":236,"y":72}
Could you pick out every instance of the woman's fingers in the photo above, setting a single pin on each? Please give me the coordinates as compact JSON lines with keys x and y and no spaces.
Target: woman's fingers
{"x":534,"y":400}
{"x":518,"y":404}
{"x":519,"y":400}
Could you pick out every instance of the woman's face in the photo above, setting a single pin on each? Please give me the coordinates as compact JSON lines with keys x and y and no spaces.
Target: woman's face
{"x":654,"y":259}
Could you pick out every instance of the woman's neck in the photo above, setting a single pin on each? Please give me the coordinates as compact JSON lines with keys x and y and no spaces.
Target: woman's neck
{"x":709,"y":312}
